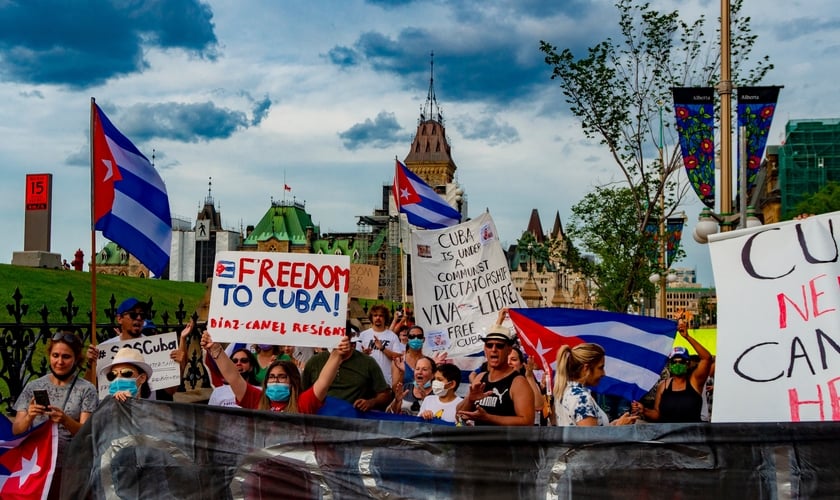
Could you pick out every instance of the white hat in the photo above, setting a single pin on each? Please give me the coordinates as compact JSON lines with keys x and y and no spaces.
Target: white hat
{"x":130,"y":356}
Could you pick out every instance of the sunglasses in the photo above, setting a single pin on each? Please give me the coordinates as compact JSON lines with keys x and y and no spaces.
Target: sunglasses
{"x":136,"y":314}
{"x":678,"y":362}
{"x":66,"y":337}
{"x":124,"y":373}
{"x":494,"y":345}
{"x":418,"y":336}
{"x":240,"y":360}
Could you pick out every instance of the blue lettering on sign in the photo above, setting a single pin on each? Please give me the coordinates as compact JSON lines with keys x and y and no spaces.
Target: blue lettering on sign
{"x":302,"y":301}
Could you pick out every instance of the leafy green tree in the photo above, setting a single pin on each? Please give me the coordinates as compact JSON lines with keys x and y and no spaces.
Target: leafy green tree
{"x":826,"y":200}
{"x":620,"y":91}
{"x":604,"y":223}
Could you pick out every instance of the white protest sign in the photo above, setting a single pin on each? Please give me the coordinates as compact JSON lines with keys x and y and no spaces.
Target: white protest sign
{"x":279,"y":298}
{"x":778,"y":294}
{"x":461,"y":280}
{"x":156,"y":350}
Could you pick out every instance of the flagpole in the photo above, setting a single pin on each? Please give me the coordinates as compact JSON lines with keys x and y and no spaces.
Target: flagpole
{"x":91,"y":373}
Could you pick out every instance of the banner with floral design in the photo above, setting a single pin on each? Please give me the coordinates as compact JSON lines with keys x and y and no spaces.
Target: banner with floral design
{"x":673,"y":236}
{"x":694,"y":108}
{"x":756,"y":107}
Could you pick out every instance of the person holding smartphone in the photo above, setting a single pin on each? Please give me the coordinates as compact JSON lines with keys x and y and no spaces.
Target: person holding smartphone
{"x":69,"y":399}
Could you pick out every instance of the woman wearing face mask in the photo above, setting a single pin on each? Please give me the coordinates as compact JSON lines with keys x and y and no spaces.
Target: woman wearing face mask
{"x":413,"y":352}
{"x":266,"y":355}
{"x":408,"y":397}
{"x":281,"y":388}
{"x":679,"y":397}
{"x":72,"y":399}
{"x":128,"y":375}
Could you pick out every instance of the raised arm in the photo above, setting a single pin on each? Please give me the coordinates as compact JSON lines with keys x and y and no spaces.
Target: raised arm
{"x":704,"y":367}
{"x":226,"y":367}
{"x":330,"y":370}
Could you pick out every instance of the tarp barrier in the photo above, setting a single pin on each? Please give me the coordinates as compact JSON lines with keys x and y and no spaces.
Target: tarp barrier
{"x":142,"y":449}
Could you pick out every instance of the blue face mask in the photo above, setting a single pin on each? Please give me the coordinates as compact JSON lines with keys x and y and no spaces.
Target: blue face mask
{"x":415,"y":343}
{"x":427,"y":384}
{"x":123,"y":384}
{"x":278,"y":392}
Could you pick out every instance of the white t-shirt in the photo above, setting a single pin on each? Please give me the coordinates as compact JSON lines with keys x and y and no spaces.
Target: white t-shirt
{"x":223,"y":396}
{"x":443,"y":411}
{"x":389,"y":341}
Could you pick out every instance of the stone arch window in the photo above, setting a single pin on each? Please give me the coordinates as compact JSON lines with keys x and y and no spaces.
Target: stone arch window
{"x":337,"y":252}
{"x":320,"y":251}
{"x":103,"y":255}
{"x":123,"y":256}
{"x":123,"y":273}
{"x":141,"y":275}
{"x":356,"y":255}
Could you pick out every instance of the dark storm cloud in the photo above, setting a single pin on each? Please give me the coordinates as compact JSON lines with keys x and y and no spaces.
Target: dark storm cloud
{"x":489,"y":130}
{"x":81,"y":44}
{"x":382,"y":132}
{"x":260,"y":111}
{"x":184,"y":122}
{"x":486,"y":55}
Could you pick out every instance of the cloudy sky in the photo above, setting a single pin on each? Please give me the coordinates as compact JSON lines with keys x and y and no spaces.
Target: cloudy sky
{"x":325,"y":94}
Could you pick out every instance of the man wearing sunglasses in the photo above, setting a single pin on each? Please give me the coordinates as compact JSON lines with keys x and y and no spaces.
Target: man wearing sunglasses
{"x":131,"y":317}
{"x":501,"y":395}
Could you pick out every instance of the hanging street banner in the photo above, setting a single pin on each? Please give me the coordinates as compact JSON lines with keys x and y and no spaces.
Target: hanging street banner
{"x":694,"y":108}
{"x":756,"y":107}
{"x":461,"y":280}
{"x":156,"y":350}
{"x":279,"y":298}
{"x":778,"y":346}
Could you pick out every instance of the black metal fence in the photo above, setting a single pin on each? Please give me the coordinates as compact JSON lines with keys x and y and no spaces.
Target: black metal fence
{"x":22,"y":343}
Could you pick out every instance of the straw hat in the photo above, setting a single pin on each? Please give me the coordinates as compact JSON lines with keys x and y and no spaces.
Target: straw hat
{"x":130,"y":356}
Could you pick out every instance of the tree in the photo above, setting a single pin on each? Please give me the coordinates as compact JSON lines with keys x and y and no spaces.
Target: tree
{"x":604,"y":223}
{"x":826,"y":200}
{"x":620,"y":90}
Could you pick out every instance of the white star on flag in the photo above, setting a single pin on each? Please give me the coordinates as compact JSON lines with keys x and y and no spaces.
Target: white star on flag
{"x":28,"y":467}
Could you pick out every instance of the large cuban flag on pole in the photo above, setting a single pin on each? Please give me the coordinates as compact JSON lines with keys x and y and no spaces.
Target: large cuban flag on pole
{"x":131,"y":206}
{"x":637,"y":347}
{"x":420,"y":203}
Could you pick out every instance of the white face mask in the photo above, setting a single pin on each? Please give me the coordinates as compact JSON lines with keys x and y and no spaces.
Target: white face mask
{"x":438,"y":388}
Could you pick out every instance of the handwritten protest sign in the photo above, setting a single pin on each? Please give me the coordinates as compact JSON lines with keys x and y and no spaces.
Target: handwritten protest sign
{"x":778,"y":291}
{"x":279,"y":298}
{"x":364,"y":281}
{"x":156,"y":350}
{"x":461,"y":280}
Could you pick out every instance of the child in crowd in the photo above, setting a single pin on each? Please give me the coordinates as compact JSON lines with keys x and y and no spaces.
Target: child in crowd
{"x":443,"y":401}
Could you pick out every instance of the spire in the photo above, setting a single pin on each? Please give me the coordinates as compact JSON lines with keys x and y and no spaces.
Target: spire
{"x":431,"y":109}
{"x":535,"y":226}
{"x":209,"y":199}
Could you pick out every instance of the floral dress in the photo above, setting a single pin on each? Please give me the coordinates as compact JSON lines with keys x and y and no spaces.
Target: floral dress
{"x":576,"y":404}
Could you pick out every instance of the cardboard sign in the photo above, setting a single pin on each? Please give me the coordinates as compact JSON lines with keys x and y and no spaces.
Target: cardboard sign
{"x":156,"y":350}
{"x":279,"y":298}
{"x":778,"y":290}
{"x":364,"y":281}
{"x":461,"y":280}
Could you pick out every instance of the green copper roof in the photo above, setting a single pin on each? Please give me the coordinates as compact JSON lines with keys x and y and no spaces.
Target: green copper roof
{"x":284,"y":221}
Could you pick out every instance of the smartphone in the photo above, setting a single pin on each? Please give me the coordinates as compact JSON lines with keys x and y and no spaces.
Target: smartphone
{"x":41,"y":397}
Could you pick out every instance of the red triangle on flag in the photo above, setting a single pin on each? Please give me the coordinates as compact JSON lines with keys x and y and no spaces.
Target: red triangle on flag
{"x":404,"y":192}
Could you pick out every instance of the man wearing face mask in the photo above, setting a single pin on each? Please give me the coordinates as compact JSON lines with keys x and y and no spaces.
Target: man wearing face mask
{"x":679,"y":397}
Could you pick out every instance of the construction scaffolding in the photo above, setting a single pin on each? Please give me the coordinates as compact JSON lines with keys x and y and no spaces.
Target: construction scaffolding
{"x":808,"y":159}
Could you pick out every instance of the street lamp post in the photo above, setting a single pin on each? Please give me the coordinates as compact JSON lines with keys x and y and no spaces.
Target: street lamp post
{"x":709,"y":221}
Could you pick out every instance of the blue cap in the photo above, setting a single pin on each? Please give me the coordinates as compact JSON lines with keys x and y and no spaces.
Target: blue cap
{"x":679,"y":352}
{"x":130,"y":304}
{"x":148,"y":325}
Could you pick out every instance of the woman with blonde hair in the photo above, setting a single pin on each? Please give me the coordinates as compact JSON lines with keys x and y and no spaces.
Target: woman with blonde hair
{"x":579,"y":368}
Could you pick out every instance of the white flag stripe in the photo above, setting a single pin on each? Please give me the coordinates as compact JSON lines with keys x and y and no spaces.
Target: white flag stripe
{"x":139,"y":217}
{"x":619,"y":332}
{"x":621,"y":369}
{"x":135,"y":164}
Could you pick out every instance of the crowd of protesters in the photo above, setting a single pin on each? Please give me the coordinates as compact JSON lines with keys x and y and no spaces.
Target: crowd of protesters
{"x":382,"y":369}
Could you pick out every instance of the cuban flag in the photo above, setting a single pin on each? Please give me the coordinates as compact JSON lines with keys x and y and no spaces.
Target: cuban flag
{"x":637,"y":347}
{"x":131,"y":206}
{"x":27,"y":461}
{"x":420,"y":203}
{"x":225,"y":269}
